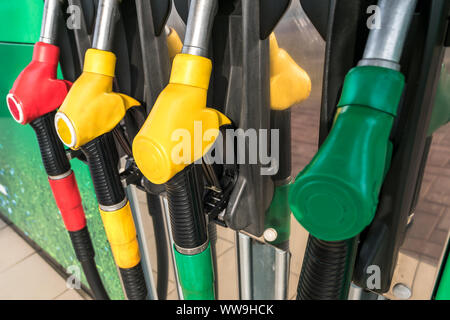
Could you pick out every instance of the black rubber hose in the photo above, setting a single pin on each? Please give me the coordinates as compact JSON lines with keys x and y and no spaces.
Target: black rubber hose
{"x":103,"y":158}
{"x":184,"y":196}
{"x":85,"y":253}
{"x":162,"y":250}
{"x":52,"y":150}
{"x":56,"y":163}
{"x":134,"y":282}
{"x":327,"y":269}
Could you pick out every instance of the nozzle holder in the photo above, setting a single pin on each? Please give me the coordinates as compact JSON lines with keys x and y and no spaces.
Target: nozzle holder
{"x":336,"y":195}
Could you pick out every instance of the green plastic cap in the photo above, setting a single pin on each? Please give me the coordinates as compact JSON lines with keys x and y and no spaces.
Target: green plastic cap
{"x":328,"y":208}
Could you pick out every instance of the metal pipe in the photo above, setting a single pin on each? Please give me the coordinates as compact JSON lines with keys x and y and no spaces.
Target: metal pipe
{"x":282,"y":259}
{"x":49,"y":28}
{"x":385,"y":45}
{"x":355,"y":292}
{"x":107,"y":16}
{"x":244,"y":253}
{"x":199,"y":27}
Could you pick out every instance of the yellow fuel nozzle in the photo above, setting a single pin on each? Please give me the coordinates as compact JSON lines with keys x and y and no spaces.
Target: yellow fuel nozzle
{"x":180,"y":128}
{"x":174,"y":43}
{"x":91,"y":108}
{"x":289,"y":83}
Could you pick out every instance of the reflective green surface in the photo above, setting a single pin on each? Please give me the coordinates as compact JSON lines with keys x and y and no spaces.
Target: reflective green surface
{"x":20,"y":20}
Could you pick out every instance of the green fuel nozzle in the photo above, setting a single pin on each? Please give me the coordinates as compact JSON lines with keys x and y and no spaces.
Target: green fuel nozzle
{"x":335,"y":197}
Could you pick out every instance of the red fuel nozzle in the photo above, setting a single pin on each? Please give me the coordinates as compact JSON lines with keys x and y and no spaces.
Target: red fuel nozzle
{"x":36,"y":90}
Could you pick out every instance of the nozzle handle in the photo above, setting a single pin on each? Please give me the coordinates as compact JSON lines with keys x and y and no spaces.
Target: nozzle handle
{"x":52,"y":150}
{"x":102,"y":157}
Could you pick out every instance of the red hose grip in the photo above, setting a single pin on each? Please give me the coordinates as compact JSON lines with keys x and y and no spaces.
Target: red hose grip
{"x":68,"y":200}
{"x":36,"y":90}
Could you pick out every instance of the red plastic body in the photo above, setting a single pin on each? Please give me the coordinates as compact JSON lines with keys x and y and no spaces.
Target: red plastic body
{"x":36,"y":90}
{"x":68,"y":200}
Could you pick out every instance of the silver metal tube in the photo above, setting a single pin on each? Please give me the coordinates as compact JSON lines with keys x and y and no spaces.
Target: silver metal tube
{"x":244,"y":257}
{"x":199,"y":27}
{"x":385,"y":45}
{"x":282,"y":259}
{"x":49,"y":28}
{"x":107,"y":16}
{"x":165,"y":207}
{"x":355,"y":292}
{"x":144,"y":250}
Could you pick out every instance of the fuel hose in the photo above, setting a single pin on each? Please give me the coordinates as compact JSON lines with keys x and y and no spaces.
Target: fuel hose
{"x":35,"y":96}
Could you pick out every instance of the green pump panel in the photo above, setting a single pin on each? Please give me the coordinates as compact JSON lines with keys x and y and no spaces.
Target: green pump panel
{"x":21,"y":21}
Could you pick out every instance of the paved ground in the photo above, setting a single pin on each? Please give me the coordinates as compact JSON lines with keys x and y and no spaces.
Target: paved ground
{"x":25,"y":275}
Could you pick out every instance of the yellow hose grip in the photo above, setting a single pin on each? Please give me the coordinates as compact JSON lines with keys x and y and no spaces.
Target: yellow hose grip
{"x":100,"y":62}
{"x":121,"y":234}
{"x":191,"y":70}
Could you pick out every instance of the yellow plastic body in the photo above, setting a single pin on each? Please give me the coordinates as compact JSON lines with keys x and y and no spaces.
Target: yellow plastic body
{"x":91,"y":108}
{"x":121,"y":234}
{"x":180,"y":128}
{"x":174,"y":43}
{"x":289,"y":83}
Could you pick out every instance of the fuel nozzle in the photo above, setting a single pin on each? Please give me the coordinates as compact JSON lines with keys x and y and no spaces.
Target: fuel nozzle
{"x":181,"y":108}
{"x":25,"y":104}
{"x":92,"y":108}
{"x":181,"y":104}
{"x":335,"y":197}
{"x":85,"y":121}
